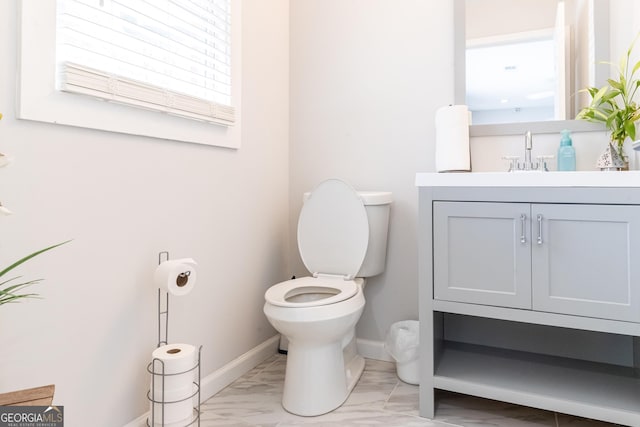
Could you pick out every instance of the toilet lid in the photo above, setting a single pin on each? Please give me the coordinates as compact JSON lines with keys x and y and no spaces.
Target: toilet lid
{"x":333,"y":230}
{"x":310,"y":292}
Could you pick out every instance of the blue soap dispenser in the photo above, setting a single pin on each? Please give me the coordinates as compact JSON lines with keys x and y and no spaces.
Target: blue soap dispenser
{"x":566,"y":153}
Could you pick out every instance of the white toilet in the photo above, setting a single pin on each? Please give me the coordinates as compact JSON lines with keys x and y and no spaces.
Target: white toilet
{"x":342,"y":238}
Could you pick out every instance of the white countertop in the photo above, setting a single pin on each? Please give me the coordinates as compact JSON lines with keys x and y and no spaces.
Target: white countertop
{"x":529,"y":179}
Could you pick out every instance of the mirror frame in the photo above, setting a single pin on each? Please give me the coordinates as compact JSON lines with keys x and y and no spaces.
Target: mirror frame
{"x":601,"y":48}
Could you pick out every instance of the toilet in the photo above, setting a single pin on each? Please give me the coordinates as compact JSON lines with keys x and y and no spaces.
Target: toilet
{"x":342,"y":239}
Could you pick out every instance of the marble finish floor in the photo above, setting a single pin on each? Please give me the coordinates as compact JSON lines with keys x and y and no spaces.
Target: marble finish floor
{"x":379,"y":399}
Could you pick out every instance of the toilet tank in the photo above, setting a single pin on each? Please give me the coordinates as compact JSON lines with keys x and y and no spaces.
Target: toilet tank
{"x":377,"y":204}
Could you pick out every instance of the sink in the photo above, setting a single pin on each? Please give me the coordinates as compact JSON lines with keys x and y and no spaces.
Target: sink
{"x":530,"y":179}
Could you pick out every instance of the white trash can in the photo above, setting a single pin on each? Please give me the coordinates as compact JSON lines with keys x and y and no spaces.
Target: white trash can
{"x":402,"y":343}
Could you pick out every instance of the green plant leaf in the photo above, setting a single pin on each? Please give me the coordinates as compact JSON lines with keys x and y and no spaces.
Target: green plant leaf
{"x":609,"y":96}
{"x":9,"y":293}
{"x":623,"y":63}
{"x":18,"y":286}
{"x":616,"y":85}
{"x":600,"y":93}
{"x":592,"y":91}
{"x":630,"y":129}
{"x":5,"y":299}
{"x":28,"y":257}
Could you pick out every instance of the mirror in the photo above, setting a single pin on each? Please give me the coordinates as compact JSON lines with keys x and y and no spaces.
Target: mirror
{"x":521,"y":63}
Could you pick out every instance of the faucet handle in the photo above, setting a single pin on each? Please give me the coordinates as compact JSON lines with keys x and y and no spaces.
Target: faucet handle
{"x":513,"y":162}
{"x":542,"y":161}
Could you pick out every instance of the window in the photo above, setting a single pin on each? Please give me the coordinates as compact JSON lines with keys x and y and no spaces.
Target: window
{"x":177,"y":59}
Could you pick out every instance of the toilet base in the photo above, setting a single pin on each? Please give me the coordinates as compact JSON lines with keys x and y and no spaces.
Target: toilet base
{"x":354,"y":365}
{"x":330,"y":373}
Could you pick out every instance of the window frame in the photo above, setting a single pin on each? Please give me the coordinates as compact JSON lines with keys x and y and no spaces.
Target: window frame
{"x":39,"y":100}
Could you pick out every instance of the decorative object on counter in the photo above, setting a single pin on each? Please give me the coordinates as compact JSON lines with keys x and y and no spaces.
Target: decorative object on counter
{"x":615,"y":105}
{"x":452,"y":139}
{"x":566,"y":153}
{"x":610,"y":160}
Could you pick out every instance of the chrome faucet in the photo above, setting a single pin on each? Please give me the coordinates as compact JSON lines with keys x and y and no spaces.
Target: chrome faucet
{"x":528,"y":166}
{"x":528,"y":146}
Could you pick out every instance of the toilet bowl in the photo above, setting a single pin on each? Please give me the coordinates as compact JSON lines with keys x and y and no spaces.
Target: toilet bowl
{"x":342,"y":238}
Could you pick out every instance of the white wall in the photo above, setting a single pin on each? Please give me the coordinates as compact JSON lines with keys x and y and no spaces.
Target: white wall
{"x":366,"y":79}
{"x":501,"y":17}
{"x":625,"y":25}
{"x":123,"y":199}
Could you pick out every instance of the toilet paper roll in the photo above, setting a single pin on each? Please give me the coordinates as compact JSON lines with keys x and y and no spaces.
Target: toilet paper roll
{"x":178,"y":277}
{"x":177,"y":359}
{"x":178,"y":406}
{"x":172,"y":388}
{"x":178,"y":413}
{"x":172,"y":396}
{"x":452,"y":139}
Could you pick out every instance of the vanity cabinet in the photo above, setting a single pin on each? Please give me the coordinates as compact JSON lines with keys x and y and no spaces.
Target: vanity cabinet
{"x":549,"y":276}
{"x":561,"y":258}
{"x":482,"y":253}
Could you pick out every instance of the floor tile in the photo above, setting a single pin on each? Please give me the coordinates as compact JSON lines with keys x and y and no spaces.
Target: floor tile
{"x":571,"y":421}
{"x":404,"y":400}
{"x":378,"y":399}
{"x":470,"y":411}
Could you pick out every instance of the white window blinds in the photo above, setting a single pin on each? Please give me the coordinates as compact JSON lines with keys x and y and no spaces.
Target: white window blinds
{"x":166,"y":55}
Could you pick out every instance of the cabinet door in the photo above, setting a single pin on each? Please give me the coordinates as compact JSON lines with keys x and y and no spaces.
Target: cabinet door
{"x":482,"y":253}
{"x":585,"y":260}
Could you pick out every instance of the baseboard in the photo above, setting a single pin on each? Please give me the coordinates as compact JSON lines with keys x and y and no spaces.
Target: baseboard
{"x":220,"y":378}
{"x":370,"y":349}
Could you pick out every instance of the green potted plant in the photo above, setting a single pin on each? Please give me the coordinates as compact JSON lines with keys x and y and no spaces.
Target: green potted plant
{"x":615,"y":104}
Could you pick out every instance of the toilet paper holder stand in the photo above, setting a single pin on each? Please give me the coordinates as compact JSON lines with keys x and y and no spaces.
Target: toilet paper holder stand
{"x":156,"y":363}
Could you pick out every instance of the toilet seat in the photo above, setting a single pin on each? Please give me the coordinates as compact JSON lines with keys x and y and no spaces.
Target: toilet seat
{"x":333,"y":230}
{"x":311,"y":292}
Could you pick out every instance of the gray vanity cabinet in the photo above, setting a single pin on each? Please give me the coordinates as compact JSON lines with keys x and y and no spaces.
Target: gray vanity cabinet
{"x":482,"y":253}
{"x":530,"y":293}
{"x":560,"y":258}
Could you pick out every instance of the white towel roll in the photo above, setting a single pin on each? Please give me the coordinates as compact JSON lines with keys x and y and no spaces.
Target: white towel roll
{"x":452,"y":139}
